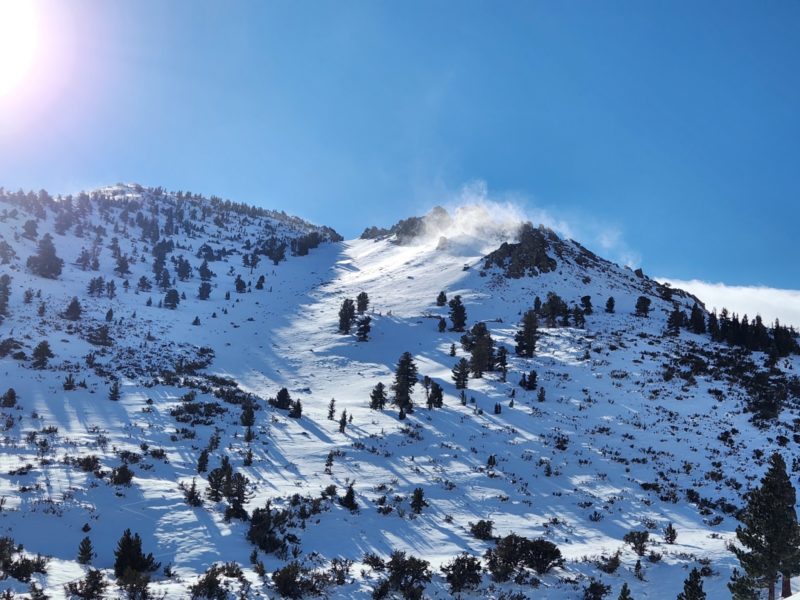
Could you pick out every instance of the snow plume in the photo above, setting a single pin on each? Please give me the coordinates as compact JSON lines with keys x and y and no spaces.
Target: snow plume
{"x":474,"y":213}
{"x":770,"y":303}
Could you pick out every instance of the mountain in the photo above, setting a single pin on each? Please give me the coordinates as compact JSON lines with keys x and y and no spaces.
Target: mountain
{"x":637,"y":417}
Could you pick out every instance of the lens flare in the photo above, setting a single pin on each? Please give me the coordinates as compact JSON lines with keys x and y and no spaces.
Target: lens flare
{"x":18,"y":43}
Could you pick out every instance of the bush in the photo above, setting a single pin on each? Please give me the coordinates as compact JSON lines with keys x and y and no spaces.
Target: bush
{"x":462,"y":573}
{"x":638,"y":541}
{"x":408,"y":575}
{"x":514,"y":552}
{"x":482,"y":530}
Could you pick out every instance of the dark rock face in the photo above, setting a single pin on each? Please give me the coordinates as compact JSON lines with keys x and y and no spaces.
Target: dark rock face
{"x":529,"y":256}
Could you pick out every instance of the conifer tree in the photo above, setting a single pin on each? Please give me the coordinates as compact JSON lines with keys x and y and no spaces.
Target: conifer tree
{"x":362,"y":303}
{"x":343,"y":422}
{"x":42,"y":354}
{"x":404,"y":380}
{"x":442,"y":325}
{"x":441,"y":299}
{"x":697,"y":322}
{"x":418,"y":500}
{"x":625,"y":593}
{"x":85,"y":551}
{"x":129,"y":555}
{"x":692,"y":587}
{"x":436,"y":397}
{"x":74,"y":310}
{"x":461,"y":374}
{"x":502,"y":362}
{"x":610,"y":304}
{"x":527,"y":335}
{"x":769,"y":531}
{"x":114,"y":391}
{"x":332,"y":410}
{"x":458,"y":314}
{"x":172,"y":299}
{"x":204,"y":291}
{"x":363,"y":327}
{"x":642,"y":306}
{"x":45,"y":263}
{"x":347,"y":314}
{"x":377,"y":399}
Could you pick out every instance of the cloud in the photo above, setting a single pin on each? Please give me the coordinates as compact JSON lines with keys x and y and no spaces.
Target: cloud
{"x":770,"y":303}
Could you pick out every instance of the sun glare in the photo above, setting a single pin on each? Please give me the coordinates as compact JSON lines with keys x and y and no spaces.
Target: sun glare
{"x":18,"y":42}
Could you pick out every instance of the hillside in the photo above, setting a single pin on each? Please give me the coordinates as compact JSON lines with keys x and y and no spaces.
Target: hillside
{"x":637,"y":427}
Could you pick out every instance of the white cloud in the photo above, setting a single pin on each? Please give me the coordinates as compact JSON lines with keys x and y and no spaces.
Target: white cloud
{"x":770,"y":303}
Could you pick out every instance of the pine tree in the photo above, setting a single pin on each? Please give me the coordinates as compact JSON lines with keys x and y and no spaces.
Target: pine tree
{"x":205,"y":273}
{"x":349,"y":499}
{"x":610,"y":304}
{"x":347,"y":314}
{"x":296,"y":410}
{"x":362,"y":303}
{"x":404,"y":380}
{"x":625,"y":593}
{"x":363,"y":327}
{"x":204,"y":291}
{"x":441,"y":299}
{"x":85,"y":551}
{"x":692,"y":587}
{"x":461,"y":374}
{"x":172,"y":299}
{"x":697,"y":322}
{"x":343,"y":422}
{"x":45,"y":263}
{"x":642,"y":306}
{"x":769,"y":532}
{"x":502,"y":362}
{"x":74,"y":310}
{"x":377,"y":398}
{"x":418,"y":500}
{"x":442,"y":325}
{"x":527,"y":335}
{"x":129,"y":555}
{"x":114,"y":391}
{"x":436,"y":398}
{"x":123,"y":266}
{"x":458,"y":314}
{"x":42,"y":354}
{"x":332,"y":410}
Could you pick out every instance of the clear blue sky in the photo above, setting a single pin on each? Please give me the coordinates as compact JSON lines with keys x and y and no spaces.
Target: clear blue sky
{"x":677,"y":122}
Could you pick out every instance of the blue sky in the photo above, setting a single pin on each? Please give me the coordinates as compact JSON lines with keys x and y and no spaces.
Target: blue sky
{"x":673,"y":125}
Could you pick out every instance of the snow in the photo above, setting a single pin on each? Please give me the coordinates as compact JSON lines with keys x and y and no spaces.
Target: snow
{"x":625,"y":426}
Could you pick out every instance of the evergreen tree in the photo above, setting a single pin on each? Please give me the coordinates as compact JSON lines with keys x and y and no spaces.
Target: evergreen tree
{"x":362,"y":303}
{"x":436,"y":398}
{"x":527,"y":335}
{"x":458,"y":314}
{"x":625,"y":593}
{"x":91,"y":587}
{"x":205,"y":272}
{"x":296,"y":410}
{"x":441,"y":299}
{"x":204,"y":291}
{"x":481,"y":347}
{"x":85,"y":551}
{"x":642,"y":306}
{"x":442,"y":325}
{"x":461,"y":374}
{"x":697,"y":322}
{"x":42,"y":354}
{"x":129,"y":555}
{"x":377,"y":399}
{"x":610,"y":304}
{"x":332,"y":410}
{"x":349,"y":498}
{"x":502,"y":362}
{"x":404,"y":380}
{"x":45,"y":263}
{"x":347,"y":314}
{"x":123,"y":265}
{"x":114,"y":391}
{"x":769,"y":531}
{"x":418,"y":500}
{"x":74,"y":310}
{"x":172,"y":299}
{"x":692,"y":587}
{"x":363,"y":327}
{"x":343,"y":422}
{"x":586,"y":305}
{"x":675,"y":321}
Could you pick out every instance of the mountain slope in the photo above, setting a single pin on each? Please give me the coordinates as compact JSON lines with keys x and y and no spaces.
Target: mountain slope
{"x":633,"y":433}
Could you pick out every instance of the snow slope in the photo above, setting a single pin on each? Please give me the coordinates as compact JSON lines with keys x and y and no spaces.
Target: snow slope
{"x":613,"y":448}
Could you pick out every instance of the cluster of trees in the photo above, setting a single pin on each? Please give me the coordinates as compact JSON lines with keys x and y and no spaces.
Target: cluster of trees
{"x":347,"y":317}
{"x":5,"y":294}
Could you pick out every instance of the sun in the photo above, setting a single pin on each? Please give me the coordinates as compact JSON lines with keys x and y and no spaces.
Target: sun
{"x":18,"y":42}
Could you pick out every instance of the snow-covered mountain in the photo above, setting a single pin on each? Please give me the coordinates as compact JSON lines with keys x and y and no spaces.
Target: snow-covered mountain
{"x":635,"y":422}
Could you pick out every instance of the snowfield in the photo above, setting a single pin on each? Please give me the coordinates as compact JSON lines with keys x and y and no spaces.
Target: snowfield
{"x":615,"y":446}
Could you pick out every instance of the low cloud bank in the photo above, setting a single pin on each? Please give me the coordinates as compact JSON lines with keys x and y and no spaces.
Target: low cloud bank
{"x":770,"y":303}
